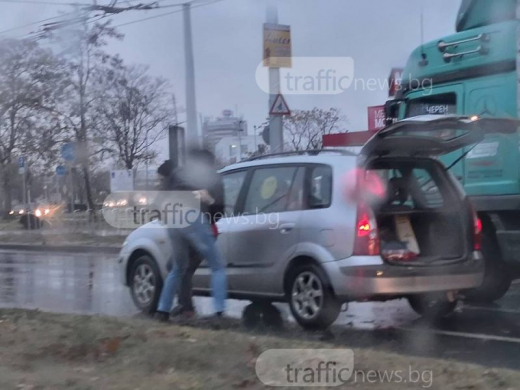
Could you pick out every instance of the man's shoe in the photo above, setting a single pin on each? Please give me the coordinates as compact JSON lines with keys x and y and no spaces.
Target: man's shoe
{"x":182,"y":311}
{"x":177,"y":311}
{"x":162,"y":316}
{"x":188,"y":314}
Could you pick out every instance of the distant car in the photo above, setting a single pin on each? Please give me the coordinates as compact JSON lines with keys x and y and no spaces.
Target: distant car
{"x":336,"y":227}
{"x":20,"y":209}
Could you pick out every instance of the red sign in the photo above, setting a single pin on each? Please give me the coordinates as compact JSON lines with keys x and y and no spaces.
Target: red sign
{"x":394,"y":81}
{"x":355,"y":138}
{"x":376,"y":118}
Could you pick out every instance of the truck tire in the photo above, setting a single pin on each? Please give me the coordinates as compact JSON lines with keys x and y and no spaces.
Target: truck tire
{"x":311,"y":299}
{"x":497,"y":279}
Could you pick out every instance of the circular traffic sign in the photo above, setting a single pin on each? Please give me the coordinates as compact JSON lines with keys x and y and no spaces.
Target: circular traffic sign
{"x":68,"y":151}
{"x":61,"y":170}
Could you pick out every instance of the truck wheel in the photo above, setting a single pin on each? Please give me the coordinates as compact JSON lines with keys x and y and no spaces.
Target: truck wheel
{"x":497,"y":279}
{"x":145,"y":284}
{"x":311,"y":299}
{"x":432,"y":306}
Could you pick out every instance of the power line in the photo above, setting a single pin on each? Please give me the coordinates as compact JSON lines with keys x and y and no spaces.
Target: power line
{"x":34,"y":23}
{"x":48,"y":26}
{"x":40,"y":2}
{"x":165,"y":14}
{"x":95,"y":18}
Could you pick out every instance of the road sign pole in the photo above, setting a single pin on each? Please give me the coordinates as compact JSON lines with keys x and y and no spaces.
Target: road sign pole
{"x":71,"y":192}
{"x":191,"y":101}
{"x":22,"y":171}
{"x":275,"y":122}
{"x":24,"y":188}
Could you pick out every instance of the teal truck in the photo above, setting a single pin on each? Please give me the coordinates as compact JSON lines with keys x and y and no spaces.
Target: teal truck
{"x":477,"y":72}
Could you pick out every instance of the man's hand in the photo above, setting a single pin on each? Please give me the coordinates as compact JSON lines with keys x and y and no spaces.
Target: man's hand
{"x":204,"y":197}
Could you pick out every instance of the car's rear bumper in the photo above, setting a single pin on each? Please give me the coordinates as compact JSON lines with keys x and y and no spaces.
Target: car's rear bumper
{"x":369,"y":277}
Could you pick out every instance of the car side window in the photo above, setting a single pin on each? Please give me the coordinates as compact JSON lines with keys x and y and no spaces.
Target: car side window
{"x":270,"y":190}
{"x":232,"y":185}
{"x":296,"y":195}
{"x":320,"y":191}
{"x":428,"y":188}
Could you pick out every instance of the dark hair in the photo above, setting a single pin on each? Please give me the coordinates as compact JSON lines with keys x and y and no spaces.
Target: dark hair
{"x":166,"y":168}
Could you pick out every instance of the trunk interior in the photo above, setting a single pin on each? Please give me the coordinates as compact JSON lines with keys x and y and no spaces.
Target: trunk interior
{"x":438,"y":234}
{"x":420,"y":213}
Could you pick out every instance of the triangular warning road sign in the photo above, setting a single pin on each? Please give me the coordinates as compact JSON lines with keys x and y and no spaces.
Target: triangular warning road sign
{"x":280,"y":106}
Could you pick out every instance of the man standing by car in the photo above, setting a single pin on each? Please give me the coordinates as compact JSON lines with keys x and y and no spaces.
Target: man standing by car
{"x":200,"y":177}
{"x":215,"y":211}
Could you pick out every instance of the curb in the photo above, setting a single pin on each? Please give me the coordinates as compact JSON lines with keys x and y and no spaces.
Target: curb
{"x":64,"y":248}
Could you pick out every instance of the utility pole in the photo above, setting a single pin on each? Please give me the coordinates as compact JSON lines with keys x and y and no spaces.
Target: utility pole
{"x":275,"y":122}
{"x":191,"y":103}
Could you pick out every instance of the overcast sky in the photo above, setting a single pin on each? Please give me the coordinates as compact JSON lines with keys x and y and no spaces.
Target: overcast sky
{"x":377,"y":34}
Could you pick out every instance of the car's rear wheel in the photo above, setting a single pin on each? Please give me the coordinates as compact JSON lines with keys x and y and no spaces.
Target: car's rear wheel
{"x":145,"y":284}
{"x":311,"y":299}
{"x":497,"y":278}
{"x":432,"y":306}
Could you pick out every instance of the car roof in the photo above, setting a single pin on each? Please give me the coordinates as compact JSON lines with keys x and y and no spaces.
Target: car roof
{"x":322,"y":158}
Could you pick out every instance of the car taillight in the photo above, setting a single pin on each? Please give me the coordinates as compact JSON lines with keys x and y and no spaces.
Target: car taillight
{"x":367,"y":236}
{"x":477,"y":234}
{"x":477,"y":230}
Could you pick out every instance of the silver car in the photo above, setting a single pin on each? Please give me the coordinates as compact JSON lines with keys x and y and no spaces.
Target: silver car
{"x":319,"y":229}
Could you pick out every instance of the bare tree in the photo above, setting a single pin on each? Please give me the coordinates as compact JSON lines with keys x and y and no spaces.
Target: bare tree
{"x":135,"y":112}
{"x":82,"y":47}
{"x":304,"y":129}
{"x":29,"y":79}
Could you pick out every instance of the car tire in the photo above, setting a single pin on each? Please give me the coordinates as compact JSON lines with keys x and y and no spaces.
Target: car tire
{"x":311,"y":299}
{"x":497,"y":278}
{"x":432,"y":306}
{"x":145,"y":284}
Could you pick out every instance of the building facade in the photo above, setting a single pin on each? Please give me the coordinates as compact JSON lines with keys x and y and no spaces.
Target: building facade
{"x":230,"y":150}
{"x":214,"y":130}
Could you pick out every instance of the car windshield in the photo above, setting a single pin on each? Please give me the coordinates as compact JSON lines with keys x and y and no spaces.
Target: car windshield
{"x":477,"y":13}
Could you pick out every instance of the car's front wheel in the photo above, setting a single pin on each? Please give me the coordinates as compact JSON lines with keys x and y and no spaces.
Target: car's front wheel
{"x":311,"y":299}
{"x":145,"y":284}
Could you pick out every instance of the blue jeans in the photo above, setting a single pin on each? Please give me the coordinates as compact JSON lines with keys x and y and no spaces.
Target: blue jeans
{"x":198,"y":236}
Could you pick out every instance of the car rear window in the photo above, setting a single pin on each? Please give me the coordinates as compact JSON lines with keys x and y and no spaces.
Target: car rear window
{"x":320,"y":192}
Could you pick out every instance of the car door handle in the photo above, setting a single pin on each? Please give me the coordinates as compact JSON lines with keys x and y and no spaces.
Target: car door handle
{"x":286,"y":228}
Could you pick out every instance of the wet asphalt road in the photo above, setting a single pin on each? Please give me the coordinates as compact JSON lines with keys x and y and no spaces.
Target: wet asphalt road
{"x":89,"y":284}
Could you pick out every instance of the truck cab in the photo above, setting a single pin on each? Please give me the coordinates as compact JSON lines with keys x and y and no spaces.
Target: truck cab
{"x":474,"y":72}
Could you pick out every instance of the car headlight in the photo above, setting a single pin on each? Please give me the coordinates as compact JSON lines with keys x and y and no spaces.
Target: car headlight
{"x":38,"y":213}
{"x":11,"y":212}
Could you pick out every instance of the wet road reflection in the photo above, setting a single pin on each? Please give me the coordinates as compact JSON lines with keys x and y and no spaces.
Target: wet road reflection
{"x":62,"y":283}
{"x":89,"y":284}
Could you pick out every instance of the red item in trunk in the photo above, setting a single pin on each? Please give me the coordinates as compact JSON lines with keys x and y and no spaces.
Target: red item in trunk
{"x":398,"y":255}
